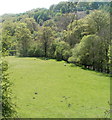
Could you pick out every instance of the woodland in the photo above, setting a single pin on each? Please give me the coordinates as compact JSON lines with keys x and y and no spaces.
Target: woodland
{"x":76,"y":33}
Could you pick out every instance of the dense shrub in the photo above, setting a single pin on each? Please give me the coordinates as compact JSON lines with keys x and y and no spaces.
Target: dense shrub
{"x":62,"y":51}
{"x":36,"y":51}
{"x":8,"y":107}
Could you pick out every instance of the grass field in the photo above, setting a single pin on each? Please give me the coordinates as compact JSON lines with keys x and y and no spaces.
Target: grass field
{"x":48,"y":89}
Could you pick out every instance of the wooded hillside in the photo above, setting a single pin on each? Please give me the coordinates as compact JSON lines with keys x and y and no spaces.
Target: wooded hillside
{"x":77,"y":32}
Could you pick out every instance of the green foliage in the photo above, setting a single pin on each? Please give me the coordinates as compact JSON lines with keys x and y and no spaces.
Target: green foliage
{"x":6,"y":42}
{"x":52,"y":49}
{"x":89,"y":52}
{"x":8,"y":108}
{"x":92,"y":50}
{"x":31,"y":24}
{"x":62,"y":21}
{"x":45,"y":37}
{"x":23,"y":36}
{"x":72,"y":6}
{"x":62,"y":51}
{"x":87,"y":49}
{"x":63,"y":7}
{"x":83,"y":6}
{"x":42,"y":15}
{"x":36,"y":50}
{"x":110,"y":57}
{"x":98,"y":21}
{"x":76,"y":32}
{"x":8,"y":39}
{"x":55,"y":32}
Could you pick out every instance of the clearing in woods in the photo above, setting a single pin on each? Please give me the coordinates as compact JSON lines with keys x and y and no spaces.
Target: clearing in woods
{"x":49,"y":89}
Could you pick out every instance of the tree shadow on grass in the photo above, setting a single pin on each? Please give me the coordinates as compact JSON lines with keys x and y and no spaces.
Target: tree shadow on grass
{"x":71,"y":65}
{"x":87,"y":69}
{"x":42,"y":58}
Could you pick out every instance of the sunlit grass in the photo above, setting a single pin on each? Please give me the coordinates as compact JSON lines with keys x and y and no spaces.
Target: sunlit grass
{"x":48,"y":89}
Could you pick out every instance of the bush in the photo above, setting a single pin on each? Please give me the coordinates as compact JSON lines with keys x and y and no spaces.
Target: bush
{"x":62,"y":51}
{"x":8,"y":108}
{"x":66,"y":54}
{"x":36,"y":51}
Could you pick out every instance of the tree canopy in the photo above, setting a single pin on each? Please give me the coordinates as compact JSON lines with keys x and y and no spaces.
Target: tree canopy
{"x":76,"y":32}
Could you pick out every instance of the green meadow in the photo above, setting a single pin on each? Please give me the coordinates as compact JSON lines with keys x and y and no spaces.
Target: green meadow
{"x":49,"y":89}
